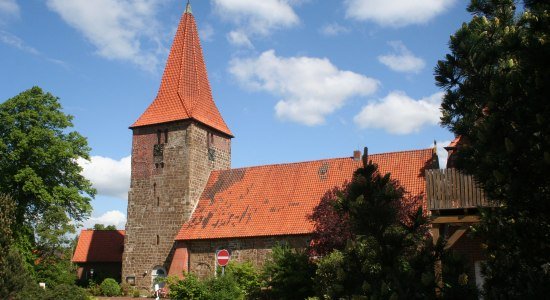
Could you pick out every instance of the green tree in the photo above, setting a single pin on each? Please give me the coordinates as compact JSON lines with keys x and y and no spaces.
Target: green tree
{"x":388,"y":254}
{"x":14,"y":277}
{"x":496,"y":79}
{"x":289,"y":274}
{"x":39,"y":169}
{"x":103,"y":227}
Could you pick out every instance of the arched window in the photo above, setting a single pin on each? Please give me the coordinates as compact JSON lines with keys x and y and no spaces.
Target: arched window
{"x":157,"y":273}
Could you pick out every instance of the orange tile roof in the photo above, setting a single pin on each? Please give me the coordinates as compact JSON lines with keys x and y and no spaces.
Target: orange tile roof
{"x":277,"y":199}
{"x":454,"y":143}
{"x":99,"y":246}
{"x":184,"y":91}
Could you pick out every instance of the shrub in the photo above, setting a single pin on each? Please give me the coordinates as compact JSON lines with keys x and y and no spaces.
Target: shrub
{"x":125,"y":289}
{"x":246,"y":276}
{"x":223,"y":288}
{"x":66,"y":292}
{"x":61,"y":291}
{"x":289,"y":275}
{"x":188,"y":288}
{"x":93,"y":288}
{"x":109,"y":287}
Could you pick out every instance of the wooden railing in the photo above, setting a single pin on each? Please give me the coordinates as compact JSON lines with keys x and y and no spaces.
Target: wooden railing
{"x":451,"y":189}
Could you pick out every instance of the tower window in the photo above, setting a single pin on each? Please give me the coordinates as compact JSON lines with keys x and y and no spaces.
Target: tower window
{"x":211,"y":154}
{"x":158,"y":137}
{"x":155,"y":189}
{"x":210,"y":139}
{"x":166,"y":136}
{"x":158,"y":201}
{"x":158,"y":239}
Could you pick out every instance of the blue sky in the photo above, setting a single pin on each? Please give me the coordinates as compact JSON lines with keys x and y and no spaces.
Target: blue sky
{"x":294,"y":80}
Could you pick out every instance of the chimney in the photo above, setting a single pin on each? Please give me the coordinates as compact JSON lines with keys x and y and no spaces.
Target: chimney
{"x":365,"y":157}
{"x":356,"y":155}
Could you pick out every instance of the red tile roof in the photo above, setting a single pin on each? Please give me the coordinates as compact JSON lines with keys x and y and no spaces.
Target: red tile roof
{"x":99,"y":246}
{"x":184,"y":91}
{"x":277,"y":199}
{"x":454,"y":143}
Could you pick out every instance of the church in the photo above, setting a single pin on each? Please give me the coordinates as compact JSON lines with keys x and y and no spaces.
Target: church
{"x":186,"y":202}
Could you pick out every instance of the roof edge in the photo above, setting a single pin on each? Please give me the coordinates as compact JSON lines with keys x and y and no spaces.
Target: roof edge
{"x":242,"y":237}
{"x":230,"y":135}
{"x":324,"y":159}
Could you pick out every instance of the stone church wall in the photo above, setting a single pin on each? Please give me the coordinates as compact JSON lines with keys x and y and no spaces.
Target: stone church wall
{"x":170,"y":166}
{"x":202,"y":257}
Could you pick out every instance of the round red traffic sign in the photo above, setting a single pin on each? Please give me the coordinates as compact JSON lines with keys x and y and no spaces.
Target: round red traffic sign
{"x":223,"y":257}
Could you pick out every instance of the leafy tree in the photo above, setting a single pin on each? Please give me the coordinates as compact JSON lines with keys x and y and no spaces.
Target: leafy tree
{"x":103,"y":227}
{"x":387,"y":255}
{"x":496,"y":80}
{"x":39,"y":169}
{"x":289,"y":275}
{"x":14,"y":277}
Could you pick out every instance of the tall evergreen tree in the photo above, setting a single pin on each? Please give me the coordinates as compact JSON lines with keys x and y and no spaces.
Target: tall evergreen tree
{"x":387,"y":254}
{"x":497,"y":79}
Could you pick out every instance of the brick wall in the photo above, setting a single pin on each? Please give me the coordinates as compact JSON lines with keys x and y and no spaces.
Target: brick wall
{"x":164,"y":190}
{"x":202,"y":258}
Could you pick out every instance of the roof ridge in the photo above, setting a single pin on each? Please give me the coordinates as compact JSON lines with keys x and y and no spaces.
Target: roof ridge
{"x":321,"y":159}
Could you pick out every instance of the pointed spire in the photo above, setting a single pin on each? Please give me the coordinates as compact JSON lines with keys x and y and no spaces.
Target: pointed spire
{"x":184,"y":91}
{"x":188,"y":9}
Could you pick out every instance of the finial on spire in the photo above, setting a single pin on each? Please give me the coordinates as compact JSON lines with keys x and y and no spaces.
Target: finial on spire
{"x":188,"y":9}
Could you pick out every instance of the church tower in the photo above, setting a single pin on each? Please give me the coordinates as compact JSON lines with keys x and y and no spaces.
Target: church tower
{"x":179,"y":139}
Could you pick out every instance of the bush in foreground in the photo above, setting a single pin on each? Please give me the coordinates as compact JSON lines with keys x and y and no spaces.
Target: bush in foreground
{"x":109,"y":287}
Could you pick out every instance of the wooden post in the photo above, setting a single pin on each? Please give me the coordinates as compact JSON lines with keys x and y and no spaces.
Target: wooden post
{"x":438,"y":268}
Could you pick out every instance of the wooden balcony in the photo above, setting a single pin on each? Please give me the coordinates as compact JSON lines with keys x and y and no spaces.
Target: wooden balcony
{"x":449,"y":189}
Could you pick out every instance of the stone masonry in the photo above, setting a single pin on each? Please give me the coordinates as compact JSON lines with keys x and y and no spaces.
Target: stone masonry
{"x":257,"y":250}
{"x":170,"y":166}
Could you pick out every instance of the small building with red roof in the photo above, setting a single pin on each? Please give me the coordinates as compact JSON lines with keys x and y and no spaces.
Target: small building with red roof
{"x":98,"y":254}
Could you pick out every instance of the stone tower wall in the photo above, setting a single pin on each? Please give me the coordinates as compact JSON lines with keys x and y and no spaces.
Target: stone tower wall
{"x":166,"y":183}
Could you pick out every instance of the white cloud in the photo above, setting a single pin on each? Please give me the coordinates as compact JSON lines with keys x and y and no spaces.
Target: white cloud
{"x":110,"y":177}
{"x":113,"y":217}
{"x":333,"y":29}
{"x":206,"y":33}
{"x":239,"y":38}
{"x":256,"y":17}
{"x":311,"y":88}
{"x":119,"y":29}
{"x":402,"y":60}
{"x":396,"y":13}
{"x":397,"y":113}
{"x":15,"y":42}
{"x":9,"y":8}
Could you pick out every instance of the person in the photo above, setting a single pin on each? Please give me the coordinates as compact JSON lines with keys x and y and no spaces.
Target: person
{"x":157,"y":291}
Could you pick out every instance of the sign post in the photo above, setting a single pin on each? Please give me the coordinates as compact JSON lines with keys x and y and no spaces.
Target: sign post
{"x":222,"y":257}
